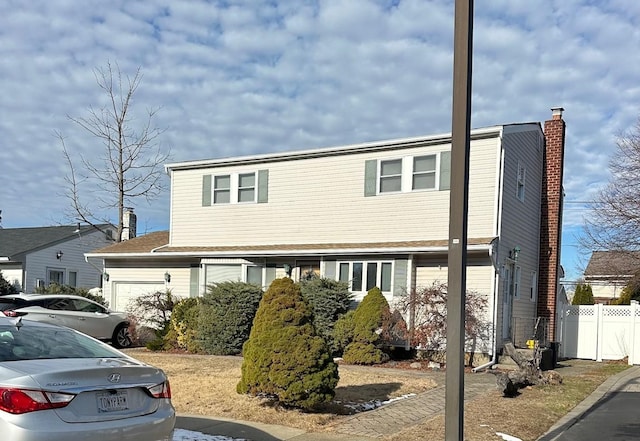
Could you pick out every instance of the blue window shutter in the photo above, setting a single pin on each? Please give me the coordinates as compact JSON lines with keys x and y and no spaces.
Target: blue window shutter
{"x":445,"y":171}
{"x":263,"y":186}
{"x":370,"y":176}
{"x":206,"y":190}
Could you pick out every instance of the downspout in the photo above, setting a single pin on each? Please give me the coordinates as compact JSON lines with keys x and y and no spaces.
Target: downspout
{"x":493,"y":254}
{"x":494,"y":356}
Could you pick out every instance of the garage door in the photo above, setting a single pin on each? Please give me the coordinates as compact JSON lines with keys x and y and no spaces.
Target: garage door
{"x":125,"y":292}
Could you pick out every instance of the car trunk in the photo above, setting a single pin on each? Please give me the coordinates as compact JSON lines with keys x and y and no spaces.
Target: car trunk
{"x":106,"y":388}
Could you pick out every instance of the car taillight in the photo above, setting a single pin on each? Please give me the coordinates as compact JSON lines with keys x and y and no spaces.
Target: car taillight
{"x":11,"y":313}
{"x":162,"y":390}
{"x":19,"y":401}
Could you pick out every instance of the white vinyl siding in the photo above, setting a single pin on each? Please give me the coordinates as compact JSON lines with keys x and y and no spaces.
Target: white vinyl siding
{"x":321,"y":200}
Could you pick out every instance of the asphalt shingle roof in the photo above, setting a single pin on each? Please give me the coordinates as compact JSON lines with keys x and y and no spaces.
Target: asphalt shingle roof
{"x":18,"y":241}
{"x":613,"y":263}
{"x":159,"y":241}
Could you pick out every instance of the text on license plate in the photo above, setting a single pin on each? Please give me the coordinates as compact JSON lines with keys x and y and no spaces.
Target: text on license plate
{"x":108,"y":402}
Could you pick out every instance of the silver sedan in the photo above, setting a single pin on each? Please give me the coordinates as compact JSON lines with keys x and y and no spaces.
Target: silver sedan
{"x":58,"y":384}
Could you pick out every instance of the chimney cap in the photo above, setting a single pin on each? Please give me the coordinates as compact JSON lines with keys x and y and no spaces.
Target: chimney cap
{"x":556,"y":112}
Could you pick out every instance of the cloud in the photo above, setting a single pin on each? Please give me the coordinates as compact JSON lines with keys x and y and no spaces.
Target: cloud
{"x":237,"y":78}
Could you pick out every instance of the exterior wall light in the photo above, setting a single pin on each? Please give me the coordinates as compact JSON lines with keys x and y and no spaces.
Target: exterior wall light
{"x":59,"y":255}
{"x":515,"y":253}
{"x":167,"y":277}
{"x":287,"y":269}
{"x":105,"y":276}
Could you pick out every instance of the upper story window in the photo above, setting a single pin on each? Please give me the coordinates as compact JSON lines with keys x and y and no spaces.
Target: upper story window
{"x":247,"y":187}
{"x":424,"y":172}
{"x":234,"y":188}
{"x":390,"y":175}
{"x":522,"y":172}
{"x":222,"y":189}
{"x":407,"y":174}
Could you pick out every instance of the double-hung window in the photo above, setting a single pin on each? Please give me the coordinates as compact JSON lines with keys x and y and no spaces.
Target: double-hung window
{"x":247,"y":187}
{"x":391,"y":176}
{"x":522,"y":172}
{"x":424,"y":172}
{"x":222,"y":189}
{"x":235,"y":188}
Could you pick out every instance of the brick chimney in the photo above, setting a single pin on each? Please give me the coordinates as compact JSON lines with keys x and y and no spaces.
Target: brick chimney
{"x":551,"y":219}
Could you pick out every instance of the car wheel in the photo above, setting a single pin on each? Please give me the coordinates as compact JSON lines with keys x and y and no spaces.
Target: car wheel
{"x":121,"y":338}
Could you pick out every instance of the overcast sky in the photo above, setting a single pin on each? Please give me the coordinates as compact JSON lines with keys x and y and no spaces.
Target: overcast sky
{"x":242,"y":77}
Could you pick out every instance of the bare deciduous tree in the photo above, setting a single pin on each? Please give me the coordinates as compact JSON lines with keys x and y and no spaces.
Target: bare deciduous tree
{"x":129,"y":166}
{"x":613,"y":223}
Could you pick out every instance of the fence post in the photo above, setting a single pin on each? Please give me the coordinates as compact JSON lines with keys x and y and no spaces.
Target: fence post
{"x":599,"y":331}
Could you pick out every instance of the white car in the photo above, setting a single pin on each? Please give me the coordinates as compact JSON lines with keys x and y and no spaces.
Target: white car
{"x":57,"y":384}
{"x":71,"y":311}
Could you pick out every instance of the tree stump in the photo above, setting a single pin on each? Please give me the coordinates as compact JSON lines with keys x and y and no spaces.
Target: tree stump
{"x":527,"y":374}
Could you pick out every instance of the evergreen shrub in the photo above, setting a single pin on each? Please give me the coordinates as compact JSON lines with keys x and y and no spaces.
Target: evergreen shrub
{"x":329,"y":299}
{"x":226,"y":313}
{"x":284,"y":358}
{"x":369,"y":319}
{"x":183,"y":330}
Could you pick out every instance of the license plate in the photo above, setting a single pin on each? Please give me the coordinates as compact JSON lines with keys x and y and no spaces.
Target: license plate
{"x":108,"y":402}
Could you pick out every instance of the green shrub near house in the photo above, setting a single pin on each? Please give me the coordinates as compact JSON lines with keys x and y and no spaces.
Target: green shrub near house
{"x":183,"y":329}
{"x":226,"y":314}
{"x":368,"y":323}
{"x":330,"y":299}
{"x":285,"y":359}
{"x":6,"y":287}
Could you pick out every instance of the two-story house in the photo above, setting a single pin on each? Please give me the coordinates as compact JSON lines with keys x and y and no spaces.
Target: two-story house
{"x":37,"y":256}
{"x":373,"y":214}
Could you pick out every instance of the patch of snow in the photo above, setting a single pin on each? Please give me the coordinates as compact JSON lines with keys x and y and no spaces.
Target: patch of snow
{"x":374,"y":404}
{"x":506,"y":437}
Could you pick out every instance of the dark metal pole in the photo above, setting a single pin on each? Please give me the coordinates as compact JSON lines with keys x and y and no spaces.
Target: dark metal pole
{"x":458,"y":208}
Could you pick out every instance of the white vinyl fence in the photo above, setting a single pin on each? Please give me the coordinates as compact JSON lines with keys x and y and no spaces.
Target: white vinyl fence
{"x":600,"y":332}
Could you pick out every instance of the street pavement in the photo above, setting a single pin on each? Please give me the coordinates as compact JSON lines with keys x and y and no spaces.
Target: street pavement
{"x":609,"y":413}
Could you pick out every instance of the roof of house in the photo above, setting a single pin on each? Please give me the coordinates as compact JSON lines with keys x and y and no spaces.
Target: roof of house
{"x":18,"y":241}
{"x":613,"y":264}
{"x":157,"y":243}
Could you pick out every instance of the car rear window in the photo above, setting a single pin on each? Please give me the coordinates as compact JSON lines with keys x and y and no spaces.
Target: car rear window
{"x":6,"y":304}
{"x":28,"y":342}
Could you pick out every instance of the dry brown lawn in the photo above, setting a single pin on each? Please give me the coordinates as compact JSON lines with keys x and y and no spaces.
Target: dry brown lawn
{"x":206,"y":385}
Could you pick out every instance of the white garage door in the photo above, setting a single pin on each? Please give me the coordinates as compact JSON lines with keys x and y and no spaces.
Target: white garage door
{"x":124,"y":292}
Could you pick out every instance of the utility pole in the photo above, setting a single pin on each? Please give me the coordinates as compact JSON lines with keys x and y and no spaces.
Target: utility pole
{"x":458,"y":209}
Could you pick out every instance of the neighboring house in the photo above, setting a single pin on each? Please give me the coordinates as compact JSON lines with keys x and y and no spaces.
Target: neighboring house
{"x":608,"y":272}
{"x":374,"y":214}
{"x":38,"y":256}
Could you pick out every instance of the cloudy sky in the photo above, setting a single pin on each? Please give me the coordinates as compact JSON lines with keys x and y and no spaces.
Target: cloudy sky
{"x":250,"y":76}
